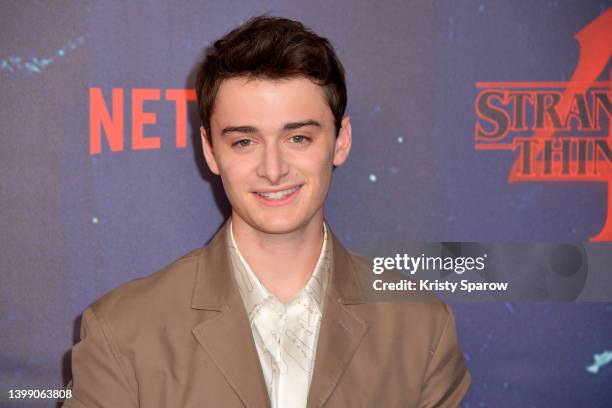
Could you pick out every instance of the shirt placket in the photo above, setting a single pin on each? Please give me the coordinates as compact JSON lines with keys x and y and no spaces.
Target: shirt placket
{"x":296,"y":351}
{"x":270,"y":322}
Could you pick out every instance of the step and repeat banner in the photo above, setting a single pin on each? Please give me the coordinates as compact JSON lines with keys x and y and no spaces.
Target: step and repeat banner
{"x":481,"y":142}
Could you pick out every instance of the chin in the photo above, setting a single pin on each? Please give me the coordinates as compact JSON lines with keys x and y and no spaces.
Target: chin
{"x":278,"y":225}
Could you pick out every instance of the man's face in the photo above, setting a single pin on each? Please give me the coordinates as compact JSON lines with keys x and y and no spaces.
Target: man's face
{"x":274,"y":146}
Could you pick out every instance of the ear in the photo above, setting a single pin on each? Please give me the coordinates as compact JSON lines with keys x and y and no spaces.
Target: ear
{"x":343,"y":142}
{"x":209,"y":154}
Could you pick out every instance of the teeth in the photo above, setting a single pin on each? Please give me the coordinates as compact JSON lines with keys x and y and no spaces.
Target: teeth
{"x":278,"y":195}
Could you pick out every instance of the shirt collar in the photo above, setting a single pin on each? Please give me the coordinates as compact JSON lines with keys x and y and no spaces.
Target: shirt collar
{"x":254,"y":293}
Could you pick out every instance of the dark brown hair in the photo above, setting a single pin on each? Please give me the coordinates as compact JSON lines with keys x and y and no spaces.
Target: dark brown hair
{"x":270,"y":48}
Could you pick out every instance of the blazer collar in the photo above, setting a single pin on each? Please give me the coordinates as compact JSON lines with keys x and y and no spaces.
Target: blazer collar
{"x":214,"y":283}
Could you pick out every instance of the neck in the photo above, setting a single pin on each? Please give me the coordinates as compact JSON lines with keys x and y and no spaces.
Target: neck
{"x":283,"y":262}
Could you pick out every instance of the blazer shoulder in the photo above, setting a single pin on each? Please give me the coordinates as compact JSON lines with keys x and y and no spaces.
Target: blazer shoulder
{"x":359,"y":259}
{"x":155,"y":294}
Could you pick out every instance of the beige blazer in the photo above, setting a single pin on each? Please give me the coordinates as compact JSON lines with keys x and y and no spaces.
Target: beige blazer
{"x":181,"y":338}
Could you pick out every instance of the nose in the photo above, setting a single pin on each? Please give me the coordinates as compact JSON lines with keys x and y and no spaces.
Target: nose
{"x":272,"y":164}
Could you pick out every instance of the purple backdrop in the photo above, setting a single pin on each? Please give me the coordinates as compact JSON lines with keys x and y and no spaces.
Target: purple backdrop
{"x":71,"y":221}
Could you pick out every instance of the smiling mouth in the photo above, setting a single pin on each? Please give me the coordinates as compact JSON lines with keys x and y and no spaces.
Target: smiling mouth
{"x":279,"y":195}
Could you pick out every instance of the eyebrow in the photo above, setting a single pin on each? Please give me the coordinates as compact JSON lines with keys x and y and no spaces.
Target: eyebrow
{"x":286,"y":126}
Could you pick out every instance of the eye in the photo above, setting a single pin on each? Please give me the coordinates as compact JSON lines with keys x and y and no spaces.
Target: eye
{"x":300,"y":139}
{"x":242,"y":143}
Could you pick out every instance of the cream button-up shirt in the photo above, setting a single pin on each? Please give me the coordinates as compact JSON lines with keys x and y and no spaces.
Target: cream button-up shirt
{"x":285,"y":335}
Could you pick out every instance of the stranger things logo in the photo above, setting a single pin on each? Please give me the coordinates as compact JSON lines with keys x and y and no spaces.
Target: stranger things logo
{"x":559,"y":131}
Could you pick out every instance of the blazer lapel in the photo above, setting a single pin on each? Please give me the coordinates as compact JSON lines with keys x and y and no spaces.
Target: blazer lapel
{"x":341,"y":332}
{"x":227,"y":336}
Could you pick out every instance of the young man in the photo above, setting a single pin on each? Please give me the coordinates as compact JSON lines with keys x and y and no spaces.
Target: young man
{"x":271,"y":312}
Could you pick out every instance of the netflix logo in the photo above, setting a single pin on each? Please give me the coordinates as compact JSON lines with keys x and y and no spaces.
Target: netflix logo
{"x":107,"y":112}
